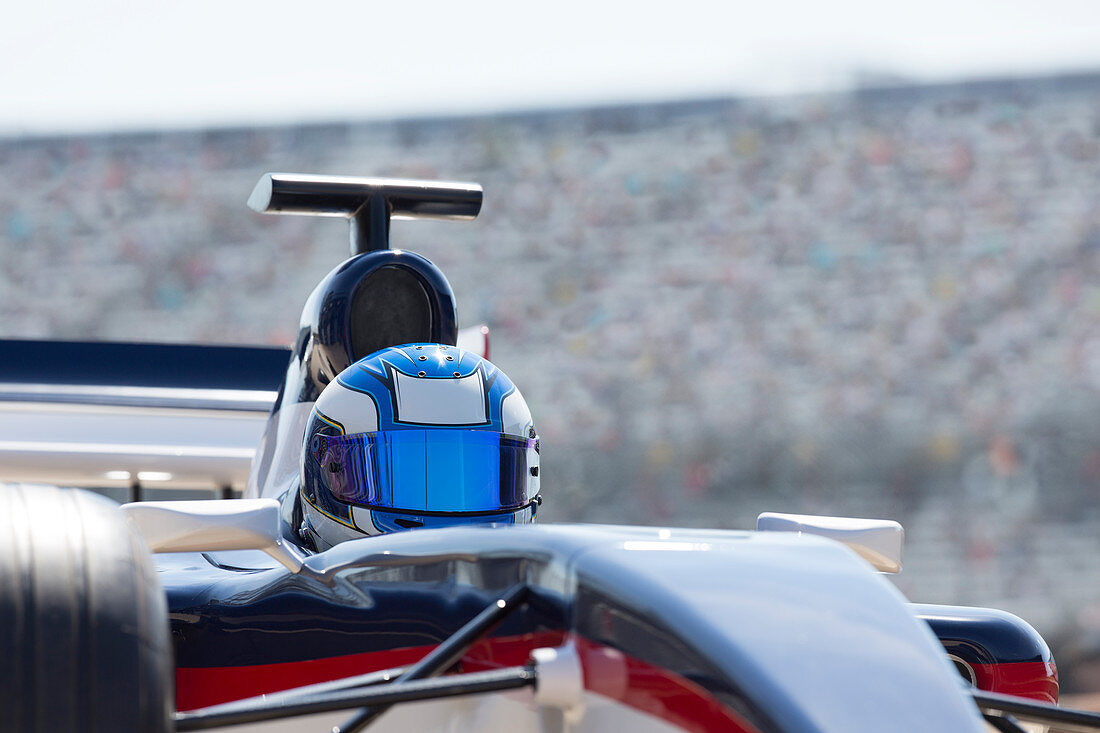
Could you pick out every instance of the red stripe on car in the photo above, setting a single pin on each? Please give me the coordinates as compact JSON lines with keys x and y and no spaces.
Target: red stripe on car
{"x":607,"y":671}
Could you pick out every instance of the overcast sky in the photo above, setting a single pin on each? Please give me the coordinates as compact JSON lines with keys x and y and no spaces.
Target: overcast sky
{"x":75,"y":65}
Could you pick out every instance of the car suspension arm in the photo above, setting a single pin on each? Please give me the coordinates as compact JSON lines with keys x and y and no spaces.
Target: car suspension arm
{"x":444,"y":656}
{"x":409,"y":685}
{"x":1008,"y":709}
{"x":378,"y":697}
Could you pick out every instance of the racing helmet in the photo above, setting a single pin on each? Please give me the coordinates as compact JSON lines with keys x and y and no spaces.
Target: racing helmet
{"x":419,"y":435}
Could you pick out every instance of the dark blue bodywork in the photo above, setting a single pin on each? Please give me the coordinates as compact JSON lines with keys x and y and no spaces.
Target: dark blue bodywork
{"x":751,"y":618}
{"x":240,"y":609}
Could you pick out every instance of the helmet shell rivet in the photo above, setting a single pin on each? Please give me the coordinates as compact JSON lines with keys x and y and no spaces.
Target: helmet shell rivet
{"x":421,"y":374}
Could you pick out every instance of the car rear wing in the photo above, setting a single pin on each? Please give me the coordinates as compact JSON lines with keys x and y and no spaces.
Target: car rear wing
{"x":130,"y":418}
{"x":125,"y":416}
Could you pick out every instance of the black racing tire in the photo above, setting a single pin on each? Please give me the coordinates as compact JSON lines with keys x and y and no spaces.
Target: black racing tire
{"x":84,"y":637}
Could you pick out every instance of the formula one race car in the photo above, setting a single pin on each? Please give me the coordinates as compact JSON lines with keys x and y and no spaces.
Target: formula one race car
{"x":239,"y":618}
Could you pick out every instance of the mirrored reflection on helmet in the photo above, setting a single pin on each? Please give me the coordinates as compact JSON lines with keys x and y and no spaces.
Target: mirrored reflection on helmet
{"x":427,"y":470}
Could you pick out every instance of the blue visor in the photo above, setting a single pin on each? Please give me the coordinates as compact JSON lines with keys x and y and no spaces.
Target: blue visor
{"x":440,"y":470}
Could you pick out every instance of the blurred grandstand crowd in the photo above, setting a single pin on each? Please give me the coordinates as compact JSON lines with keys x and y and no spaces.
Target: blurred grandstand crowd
{"x":878,"y":303}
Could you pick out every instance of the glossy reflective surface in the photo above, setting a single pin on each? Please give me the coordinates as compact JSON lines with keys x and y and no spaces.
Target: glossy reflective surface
{"x":793,"y":633}
{"x":1002,"y":652}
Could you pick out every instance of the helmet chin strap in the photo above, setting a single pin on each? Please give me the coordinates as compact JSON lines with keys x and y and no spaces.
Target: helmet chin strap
{"x":308,"y":534}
